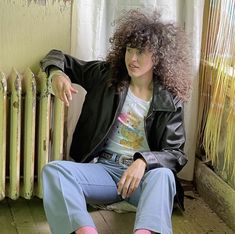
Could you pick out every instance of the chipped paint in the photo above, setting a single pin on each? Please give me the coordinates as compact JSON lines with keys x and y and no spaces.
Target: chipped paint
{"x":46,"y":2}
{"x":40,"y":2}
{"x":16,"y":105}
{"x":3,"y":82}
{"x":4,"y":85}
{"x":45,"y":145}
{"x":18,"y":83}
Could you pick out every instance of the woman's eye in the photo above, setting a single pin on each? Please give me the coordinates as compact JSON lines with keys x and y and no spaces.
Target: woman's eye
{"x":128,"y":50}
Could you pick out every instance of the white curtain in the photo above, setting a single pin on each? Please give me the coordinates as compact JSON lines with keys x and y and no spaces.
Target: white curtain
{"x":92,"y":25}
{"x":193,"y":18}
{"x":93,"y":22}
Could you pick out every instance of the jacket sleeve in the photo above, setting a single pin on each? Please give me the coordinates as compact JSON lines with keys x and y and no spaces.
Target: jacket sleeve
{"x":80,"y":72}
{"x":171,"y":154}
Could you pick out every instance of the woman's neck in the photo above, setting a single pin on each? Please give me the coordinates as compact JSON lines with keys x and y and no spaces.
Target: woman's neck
{"x":142,"y":89}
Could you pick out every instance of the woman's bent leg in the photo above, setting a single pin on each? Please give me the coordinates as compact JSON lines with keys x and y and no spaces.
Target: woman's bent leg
{"x":67,"y":187}
{"x":156,"y":197}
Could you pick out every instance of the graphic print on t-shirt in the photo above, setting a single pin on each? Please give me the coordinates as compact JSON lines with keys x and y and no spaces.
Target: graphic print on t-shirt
{"x":130,"y":131}
{"x":128,"y":134}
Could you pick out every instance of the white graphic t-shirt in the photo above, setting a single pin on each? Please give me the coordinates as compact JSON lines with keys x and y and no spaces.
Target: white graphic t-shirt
{"x":128,"y":134}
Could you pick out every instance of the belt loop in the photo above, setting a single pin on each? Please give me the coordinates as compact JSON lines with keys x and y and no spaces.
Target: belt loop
{"x":117,"y":157}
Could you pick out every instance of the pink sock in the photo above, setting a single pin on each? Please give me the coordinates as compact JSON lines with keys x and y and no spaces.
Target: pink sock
{"x":143,"y":231}
{"x":86,"y":230}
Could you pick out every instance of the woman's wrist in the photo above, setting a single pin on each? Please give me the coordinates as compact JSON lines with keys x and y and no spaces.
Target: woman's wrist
{"x":142,"y":161}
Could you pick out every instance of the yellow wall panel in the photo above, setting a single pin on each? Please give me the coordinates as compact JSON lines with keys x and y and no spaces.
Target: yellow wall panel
{"x":30,"y":28}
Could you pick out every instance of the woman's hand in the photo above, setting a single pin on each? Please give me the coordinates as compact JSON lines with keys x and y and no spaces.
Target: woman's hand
{"x":131,"y":178}
{"x":62,"y":87}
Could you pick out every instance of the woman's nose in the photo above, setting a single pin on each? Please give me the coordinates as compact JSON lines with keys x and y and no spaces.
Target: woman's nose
{"x":133,"y":57}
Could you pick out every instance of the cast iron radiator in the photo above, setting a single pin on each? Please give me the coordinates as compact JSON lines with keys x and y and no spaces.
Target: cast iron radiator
{"x":31,"y":132}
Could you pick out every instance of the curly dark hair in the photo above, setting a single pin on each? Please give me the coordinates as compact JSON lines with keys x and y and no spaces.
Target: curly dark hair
{"x":167,"y":42}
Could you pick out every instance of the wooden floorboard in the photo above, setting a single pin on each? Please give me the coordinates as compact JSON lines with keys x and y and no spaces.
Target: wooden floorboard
{"x":38,"y":215}
{"x":21,"y":216}
{"x":28,"y":217}
{"x":198,"y":218}
{"x":119,"y":223}
{"x":7,"y":225}
{"x":218,"y":194}
{"x":101,"y":224}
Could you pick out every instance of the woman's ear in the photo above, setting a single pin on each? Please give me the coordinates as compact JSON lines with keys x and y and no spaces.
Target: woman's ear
{"x":155,"y":60}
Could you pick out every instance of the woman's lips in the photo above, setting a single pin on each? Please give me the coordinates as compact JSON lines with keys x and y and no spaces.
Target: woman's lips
{"x":132,"y":66}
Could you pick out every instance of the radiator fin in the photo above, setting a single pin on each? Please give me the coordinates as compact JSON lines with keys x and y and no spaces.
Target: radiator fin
{"x":15,"y":89}
{"x":3,"y":123}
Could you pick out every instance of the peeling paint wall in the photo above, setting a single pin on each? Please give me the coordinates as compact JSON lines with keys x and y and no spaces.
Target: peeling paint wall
{"x":30,"y":28}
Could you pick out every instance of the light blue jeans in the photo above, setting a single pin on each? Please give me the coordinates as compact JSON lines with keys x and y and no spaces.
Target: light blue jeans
{"x":69,"y":186}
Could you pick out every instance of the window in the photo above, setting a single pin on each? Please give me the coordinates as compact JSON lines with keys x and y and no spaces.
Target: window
{"x":216,"y":118}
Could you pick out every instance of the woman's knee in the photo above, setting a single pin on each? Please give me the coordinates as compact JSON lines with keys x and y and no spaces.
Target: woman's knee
{"x":56,"y":176}
{"x":162,"y":177}
{"x":165,"y":172}
{"x":54,"y":169}
{"x":162,"y":172}
{"x":49,"y":168}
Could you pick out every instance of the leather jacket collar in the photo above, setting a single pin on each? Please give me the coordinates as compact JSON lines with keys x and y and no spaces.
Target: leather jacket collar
{"x":162,"y":98}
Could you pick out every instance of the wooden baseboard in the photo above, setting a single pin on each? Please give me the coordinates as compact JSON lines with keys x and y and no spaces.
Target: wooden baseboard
{"x":217,"y":193}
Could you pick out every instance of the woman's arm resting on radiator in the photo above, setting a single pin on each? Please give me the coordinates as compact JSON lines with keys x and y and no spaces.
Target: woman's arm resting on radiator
{"x":61,"y":86}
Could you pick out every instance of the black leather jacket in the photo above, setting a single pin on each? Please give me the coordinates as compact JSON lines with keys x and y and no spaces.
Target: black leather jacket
{"x":164,"y":125}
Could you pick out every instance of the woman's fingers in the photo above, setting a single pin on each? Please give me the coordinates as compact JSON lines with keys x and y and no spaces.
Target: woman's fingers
{"x":133,"y":186}
{"x":65,"y":98}
{"x":131,"y":178}
{"x":73,"y":90}
{"x":62,"y":88}
{"x":123,"y":186}
{"x":67,"y":94}
{"x":127,"y":186}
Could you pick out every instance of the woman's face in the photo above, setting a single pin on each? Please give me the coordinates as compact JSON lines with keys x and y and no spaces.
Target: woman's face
{"x":139,"y":63}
